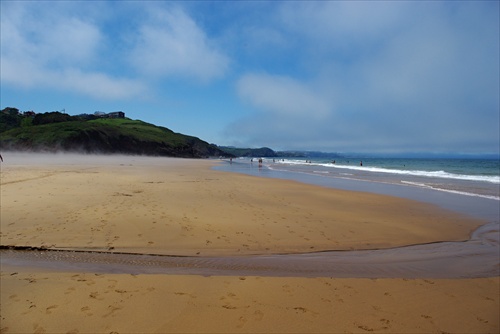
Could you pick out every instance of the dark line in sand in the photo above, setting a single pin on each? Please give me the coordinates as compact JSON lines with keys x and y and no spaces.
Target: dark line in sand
{"x":477,"y":257}
{"x":109,"y":251}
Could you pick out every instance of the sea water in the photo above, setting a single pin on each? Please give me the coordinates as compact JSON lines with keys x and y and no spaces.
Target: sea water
{"x":472,"y":177}
{"x":470,"y":186}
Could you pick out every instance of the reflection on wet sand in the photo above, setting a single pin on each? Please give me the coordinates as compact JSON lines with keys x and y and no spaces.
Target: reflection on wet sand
{"x":477,"y":257}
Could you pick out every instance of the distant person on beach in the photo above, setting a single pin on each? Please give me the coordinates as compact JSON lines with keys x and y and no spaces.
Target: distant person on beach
{"x":361,"y":163}
{"x":1,"y":159}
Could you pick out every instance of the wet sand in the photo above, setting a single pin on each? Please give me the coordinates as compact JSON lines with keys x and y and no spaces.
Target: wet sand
{"x":182,"y":207}
{"x":477,"y":257}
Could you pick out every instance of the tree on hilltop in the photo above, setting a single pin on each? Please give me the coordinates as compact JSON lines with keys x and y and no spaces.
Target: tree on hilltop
{"x":9,"y":119}
{"x":51,"y":117}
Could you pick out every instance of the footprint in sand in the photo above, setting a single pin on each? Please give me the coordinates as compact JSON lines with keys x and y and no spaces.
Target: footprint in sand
{"x":385,"y":322}
{"x":300,"y":309}
{"x":48,"y":309}
{"x":482,"y":320}
{"x":95,"y":295}
{"x":258,"y":315}
{"x":37,"y":329}
{"x":85,"y":308}
{"x":186,"y":294}
{"x":366,"y":328}
{"x":242,"y":321}
{"x":112,"y":310}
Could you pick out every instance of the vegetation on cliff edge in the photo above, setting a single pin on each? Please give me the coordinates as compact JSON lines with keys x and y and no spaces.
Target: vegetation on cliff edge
{"x":57,"y":131}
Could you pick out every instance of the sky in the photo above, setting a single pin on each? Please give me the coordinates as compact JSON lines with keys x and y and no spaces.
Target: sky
{"x":331,"y":76}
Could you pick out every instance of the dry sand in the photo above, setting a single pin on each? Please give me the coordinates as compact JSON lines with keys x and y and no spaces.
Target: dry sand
{"x":182,"y":207}
{"x":89,"y":303}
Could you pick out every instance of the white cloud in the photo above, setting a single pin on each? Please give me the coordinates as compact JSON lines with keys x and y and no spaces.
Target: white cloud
{"x":343,"y":26}
{"x":282,"y":95}
{"x":170,"y":43}
{"x":44,"y":38}
{"x":68,"y":47}
{"x":101,"y":85}
{"x":42,"y":48}
{"x":94,"y":84}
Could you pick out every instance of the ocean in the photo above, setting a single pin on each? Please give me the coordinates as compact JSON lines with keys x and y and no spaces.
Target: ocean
{"x":472,"y":177}
{"x":469,"y":186}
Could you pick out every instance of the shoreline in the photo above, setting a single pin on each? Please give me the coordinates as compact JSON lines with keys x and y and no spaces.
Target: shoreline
{"x":479,"y":207}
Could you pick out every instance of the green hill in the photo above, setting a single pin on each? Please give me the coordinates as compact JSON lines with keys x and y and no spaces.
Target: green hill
{"x":249,"y":152}
{"x":57,"y":131}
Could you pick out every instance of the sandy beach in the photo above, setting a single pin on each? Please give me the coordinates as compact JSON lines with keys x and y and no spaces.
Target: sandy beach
{"x":182,"y":207}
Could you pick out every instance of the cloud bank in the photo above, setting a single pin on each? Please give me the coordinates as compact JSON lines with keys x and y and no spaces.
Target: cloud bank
{"x":395,"y":76}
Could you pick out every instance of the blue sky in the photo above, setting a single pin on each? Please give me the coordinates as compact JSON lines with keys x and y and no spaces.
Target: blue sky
{"x":375,"y":76}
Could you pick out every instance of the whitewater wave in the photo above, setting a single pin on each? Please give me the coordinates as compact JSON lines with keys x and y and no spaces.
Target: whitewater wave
{"x":423,"y":185}
{"x":432,"y":174}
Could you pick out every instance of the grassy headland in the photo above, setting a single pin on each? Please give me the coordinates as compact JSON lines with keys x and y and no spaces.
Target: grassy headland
{"x":61,"y":132}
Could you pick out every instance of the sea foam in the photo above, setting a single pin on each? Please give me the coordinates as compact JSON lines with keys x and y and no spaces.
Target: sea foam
{"x":423,"y":173}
